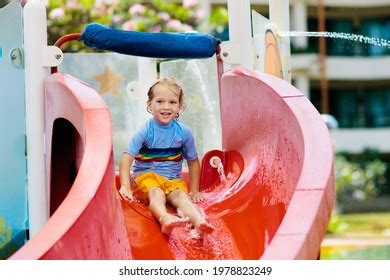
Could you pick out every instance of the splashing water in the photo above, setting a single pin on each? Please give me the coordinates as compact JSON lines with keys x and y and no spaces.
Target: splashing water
{"x":208,"y":113}
{"x":216,"y":162}
{"x":221,"y":172}
{"x":186,"y":244}
{"x":379,"y":42}
{"x":201,"y":97}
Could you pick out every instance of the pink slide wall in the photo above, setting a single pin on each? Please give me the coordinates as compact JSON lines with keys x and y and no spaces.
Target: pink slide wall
{"x":280,"y":134}
{"x":88,"y":223}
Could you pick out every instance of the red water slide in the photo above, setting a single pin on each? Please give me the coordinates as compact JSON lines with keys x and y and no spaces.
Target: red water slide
{"x":274,"y":202}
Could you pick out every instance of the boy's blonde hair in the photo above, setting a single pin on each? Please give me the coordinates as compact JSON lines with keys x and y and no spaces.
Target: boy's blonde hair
{"x":171,"y":82}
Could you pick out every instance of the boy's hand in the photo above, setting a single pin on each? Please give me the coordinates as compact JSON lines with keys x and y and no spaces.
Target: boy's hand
{"x":126,"y":193}
{"x":197,"y":196}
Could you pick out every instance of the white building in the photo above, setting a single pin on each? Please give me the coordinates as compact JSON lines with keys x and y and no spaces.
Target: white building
{"x":358,"y":74}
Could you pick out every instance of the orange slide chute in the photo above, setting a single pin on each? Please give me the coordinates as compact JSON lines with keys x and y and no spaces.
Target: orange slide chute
{"x":274,"y":202}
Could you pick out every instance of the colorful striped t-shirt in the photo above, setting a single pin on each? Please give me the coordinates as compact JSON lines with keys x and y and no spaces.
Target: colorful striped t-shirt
{"x":161,"y":148}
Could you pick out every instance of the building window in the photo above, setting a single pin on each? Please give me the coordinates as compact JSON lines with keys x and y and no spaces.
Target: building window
{"x":336,"y":46}
{"x":377,"y":108}
{"x":357,"y":107}
{"x":313,"y":41}
{"x":375,"y":28}
{"x":344,"y":106}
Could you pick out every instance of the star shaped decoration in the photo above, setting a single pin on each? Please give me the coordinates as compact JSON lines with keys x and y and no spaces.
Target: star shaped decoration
{"x":108,"y":81}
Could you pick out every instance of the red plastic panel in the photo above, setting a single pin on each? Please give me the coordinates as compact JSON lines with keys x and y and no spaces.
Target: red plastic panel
{"x":88,"y":223}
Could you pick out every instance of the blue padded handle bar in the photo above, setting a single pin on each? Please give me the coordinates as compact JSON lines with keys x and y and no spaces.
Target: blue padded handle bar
{"x":149,"y":44}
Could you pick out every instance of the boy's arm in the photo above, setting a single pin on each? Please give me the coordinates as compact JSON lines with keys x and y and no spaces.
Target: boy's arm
{"x":124,"y":174}
{"x":194,"y":170}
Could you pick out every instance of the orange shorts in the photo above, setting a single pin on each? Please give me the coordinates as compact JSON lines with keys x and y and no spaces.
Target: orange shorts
{"x":146,"y":181}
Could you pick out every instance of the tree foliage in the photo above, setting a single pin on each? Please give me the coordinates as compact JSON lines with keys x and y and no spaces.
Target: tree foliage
{"x":360,"y":176}
{"x":71,"y":16}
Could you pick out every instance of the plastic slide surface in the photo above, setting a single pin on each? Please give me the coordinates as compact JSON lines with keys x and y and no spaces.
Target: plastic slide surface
{"x":272,"y":201}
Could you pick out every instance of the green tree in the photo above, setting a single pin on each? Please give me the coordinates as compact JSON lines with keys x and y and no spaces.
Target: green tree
{"x":71,"y":16}
{"x":359,"y":177}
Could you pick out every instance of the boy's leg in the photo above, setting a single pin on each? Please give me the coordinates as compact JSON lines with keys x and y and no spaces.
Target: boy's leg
{"x":183,"y":202}
{"x":157,"y":205}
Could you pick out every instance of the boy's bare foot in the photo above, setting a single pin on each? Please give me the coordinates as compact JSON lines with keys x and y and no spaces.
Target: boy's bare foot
{"x":205,"y":228}
{"x":169,"y":222}
{"x":126,"y":193}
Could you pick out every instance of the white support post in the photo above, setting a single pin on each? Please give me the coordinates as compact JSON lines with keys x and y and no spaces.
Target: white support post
{"x":240,"y":35}
{"x":280,"y":16}
{"x":147,"y":73}
{"x":299,"y":23}
{"x":35,"y":41}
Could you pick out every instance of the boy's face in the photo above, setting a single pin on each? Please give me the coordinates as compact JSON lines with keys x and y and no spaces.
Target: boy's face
{"x":165,"y":103}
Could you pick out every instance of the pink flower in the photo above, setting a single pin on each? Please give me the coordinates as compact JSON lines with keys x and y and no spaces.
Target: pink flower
{"x":99,"y":11}
{"x":156,"y":28}
{"x":164,"y":16}
{"x":174,"y":24}
{"x":189,"y":3}
{"x":137,"y":9}
{"x":106,"y":3}
{"x":117,"y":18}
{"x":186,"y":28}
{"x":72,"y":5}
{"x":57,"y":14}
{"x":129,"y":25}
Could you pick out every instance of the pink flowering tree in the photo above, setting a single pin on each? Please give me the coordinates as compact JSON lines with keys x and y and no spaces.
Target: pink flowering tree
{"x":71,"y":16}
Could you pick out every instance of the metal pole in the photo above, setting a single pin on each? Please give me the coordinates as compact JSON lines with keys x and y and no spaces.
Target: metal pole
{"x":323,"y":51}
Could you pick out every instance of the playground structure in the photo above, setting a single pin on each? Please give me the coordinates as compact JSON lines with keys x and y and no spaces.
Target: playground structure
{"x":276,"y":154}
